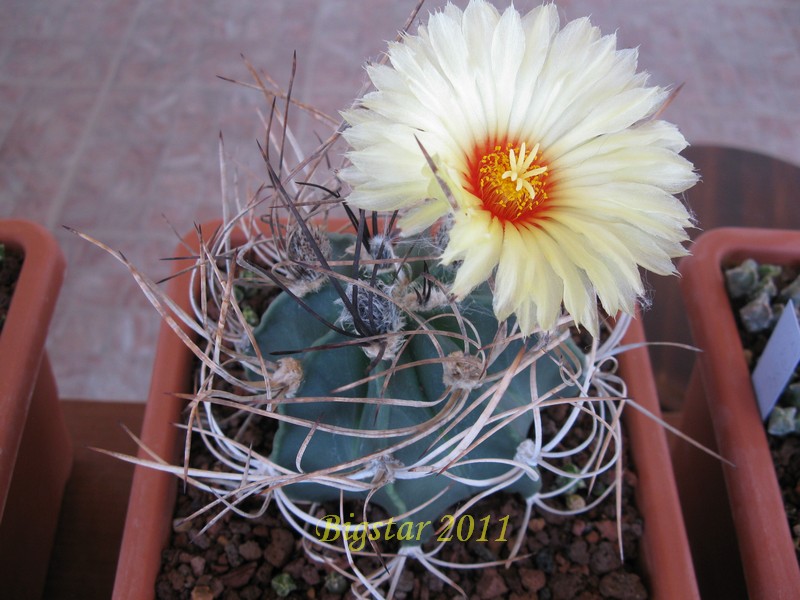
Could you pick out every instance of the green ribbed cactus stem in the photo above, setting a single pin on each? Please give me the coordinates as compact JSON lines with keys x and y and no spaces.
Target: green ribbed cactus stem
{"x":436,"y":384}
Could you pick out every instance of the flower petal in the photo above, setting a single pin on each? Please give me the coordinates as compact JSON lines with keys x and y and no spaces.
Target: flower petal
{"x":476,"y":240}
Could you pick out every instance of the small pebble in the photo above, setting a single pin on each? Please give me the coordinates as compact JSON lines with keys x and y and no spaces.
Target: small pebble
{"x":608,"y":530}
{"x":623,"y":586}
{"x":280,"y":547}
{"x":181,"y":525}
{"x":250,"y":550}
{"x":575,"y":502}
{"x":202,"y":592}
{"x":536,"y":524}
{"x":604,"y":558}
{"x":566,"y":586}
{"x":532,"y":579}
{"x":232,"y":553}
{"x":491,"y":585}
{"x":579,"y":552}
{"x":198,"y":565}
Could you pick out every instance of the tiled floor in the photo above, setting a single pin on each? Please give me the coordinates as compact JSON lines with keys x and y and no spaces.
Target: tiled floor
{"x":110,"y":112}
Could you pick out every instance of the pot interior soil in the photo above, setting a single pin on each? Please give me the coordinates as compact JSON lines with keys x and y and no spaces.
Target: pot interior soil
{"x":756,"y":308}
{"x":10,"y":267}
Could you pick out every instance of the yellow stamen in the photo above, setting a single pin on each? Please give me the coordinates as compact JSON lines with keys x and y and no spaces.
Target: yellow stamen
{"x":509,"y":187}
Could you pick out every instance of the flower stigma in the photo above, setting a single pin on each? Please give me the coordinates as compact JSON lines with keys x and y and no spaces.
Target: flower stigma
{"x":511,"y":181}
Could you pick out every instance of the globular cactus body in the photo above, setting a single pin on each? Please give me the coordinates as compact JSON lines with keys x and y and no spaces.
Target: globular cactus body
{"x":407,"y":446}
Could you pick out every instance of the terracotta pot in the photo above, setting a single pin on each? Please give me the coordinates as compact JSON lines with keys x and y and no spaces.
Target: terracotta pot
{"x":725,"y":504}
{"x":664,"y":549}
{"x":35,"y":447}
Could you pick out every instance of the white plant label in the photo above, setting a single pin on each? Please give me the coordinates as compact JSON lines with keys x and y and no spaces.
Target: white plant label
{"x":778,"y":361}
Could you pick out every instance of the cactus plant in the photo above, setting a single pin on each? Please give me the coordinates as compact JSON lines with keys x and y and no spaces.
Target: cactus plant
{"x":410,"y":394}
{"x":379,"y":387}
{"x":410,"y":359}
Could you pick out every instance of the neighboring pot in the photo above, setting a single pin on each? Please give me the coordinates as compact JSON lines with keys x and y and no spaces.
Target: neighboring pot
{"x":35,"y":447}
{"x":664,"y":546}
{"x":720,"y":411}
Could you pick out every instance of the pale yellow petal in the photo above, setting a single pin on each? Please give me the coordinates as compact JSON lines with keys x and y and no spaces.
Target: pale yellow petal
{"x":477,"y":241}
{"x":423,"y":216}
{"x":525,"y":282}
{"x":579,"y":297}
{"x":647,"y":165}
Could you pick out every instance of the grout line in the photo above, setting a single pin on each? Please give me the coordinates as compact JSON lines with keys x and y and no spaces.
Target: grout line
{"x":57,"y":206}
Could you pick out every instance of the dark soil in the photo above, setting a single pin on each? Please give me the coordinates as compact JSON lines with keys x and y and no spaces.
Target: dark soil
{"x":10,"y":267}
{"x":785,"y":449}
{"x":786,"y":456}
{"x":565,"y":558}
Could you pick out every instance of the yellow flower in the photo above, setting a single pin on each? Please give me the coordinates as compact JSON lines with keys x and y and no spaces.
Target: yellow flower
{"x":564,"y":182}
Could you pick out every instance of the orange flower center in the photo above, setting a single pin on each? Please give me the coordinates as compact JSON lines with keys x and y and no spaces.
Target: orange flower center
{"x":511,"y":181}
